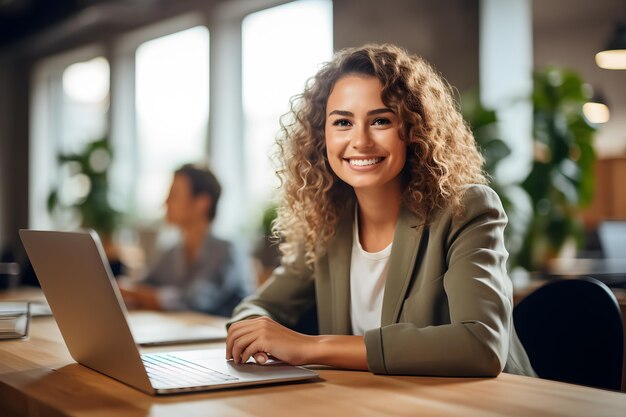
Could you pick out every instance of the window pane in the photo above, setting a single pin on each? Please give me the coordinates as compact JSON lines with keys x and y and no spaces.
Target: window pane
{"x":68,"y":110}
{"x":172,"y":105}
{"x":282,"y":47}
{"x":85,"y":102}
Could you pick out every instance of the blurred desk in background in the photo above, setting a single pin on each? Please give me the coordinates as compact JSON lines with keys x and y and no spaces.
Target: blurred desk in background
{"x":612,"y":272}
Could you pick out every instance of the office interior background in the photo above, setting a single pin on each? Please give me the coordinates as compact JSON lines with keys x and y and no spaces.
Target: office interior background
{"x":173,"y":81}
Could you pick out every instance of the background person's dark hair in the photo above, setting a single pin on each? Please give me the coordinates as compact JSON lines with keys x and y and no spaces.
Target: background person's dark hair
{"x":202,"y":181}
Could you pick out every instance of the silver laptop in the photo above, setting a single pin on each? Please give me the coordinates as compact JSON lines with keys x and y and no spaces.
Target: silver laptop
{"x":92,"y":317}
{"x":612,"y":234}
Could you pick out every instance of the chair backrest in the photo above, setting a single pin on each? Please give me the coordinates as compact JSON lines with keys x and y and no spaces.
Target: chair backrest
{"x":572,"y":331}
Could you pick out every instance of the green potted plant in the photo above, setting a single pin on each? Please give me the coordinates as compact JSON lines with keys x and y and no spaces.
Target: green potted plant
{"x":266,"y":250}
{"x":485,"y":127}
{"x":82,"y":195}
{"x":561,"y":180}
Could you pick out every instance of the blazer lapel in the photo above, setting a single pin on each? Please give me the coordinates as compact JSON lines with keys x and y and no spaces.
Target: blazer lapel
{"x":406,"y":241}
{"x":339,"y":254}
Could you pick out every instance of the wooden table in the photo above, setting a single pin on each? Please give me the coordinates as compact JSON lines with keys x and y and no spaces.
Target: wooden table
{"x":38,"y":377}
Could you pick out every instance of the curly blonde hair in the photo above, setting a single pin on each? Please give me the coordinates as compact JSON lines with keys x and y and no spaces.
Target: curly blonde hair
{"x":442,"y":155}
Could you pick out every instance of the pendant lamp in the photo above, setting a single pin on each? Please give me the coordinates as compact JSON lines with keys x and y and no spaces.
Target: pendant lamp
{"x":596,"y":110}
{"x":614,"y":55}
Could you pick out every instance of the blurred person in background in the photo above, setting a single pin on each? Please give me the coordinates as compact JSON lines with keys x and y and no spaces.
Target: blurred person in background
{"x":200,"y":272}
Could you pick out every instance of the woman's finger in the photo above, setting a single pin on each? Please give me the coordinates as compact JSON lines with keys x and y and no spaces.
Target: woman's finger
{"x":240,"y":345}
{"x":235,"y":331}
{"x":261,"y":358}
{"x":254,"y":350}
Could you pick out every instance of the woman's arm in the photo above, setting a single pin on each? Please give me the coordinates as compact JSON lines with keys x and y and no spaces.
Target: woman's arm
{"x":261,"y":336}
{"x":475,"y":291}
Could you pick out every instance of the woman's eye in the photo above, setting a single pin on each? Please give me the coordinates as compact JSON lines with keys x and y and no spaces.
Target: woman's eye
{"x":341,"y":123}
{"x":381,"y":121}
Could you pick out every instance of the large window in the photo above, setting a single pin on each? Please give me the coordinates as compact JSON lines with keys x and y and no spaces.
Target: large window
{"x":172,"y":108}
{"x":70,"y":109}
{"x":84,"y":104}
{"x":282,"y":47}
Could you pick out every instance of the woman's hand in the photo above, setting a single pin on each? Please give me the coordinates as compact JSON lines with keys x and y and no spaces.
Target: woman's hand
{"x":261,"y":336}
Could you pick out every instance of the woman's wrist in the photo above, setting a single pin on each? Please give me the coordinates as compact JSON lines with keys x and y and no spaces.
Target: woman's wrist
{"x":338,"y":351}
{"x":318,"y":350}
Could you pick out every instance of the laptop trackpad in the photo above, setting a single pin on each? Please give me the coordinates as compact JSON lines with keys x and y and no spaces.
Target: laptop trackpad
{"x":215,"y":359}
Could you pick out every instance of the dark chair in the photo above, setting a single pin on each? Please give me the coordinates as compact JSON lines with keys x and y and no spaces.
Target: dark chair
{"x":572,"y":331}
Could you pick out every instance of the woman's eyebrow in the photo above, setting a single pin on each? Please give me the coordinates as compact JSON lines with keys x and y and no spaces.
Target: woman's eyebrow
{"x":379,"y":111}
{"x":369,"y":113}
{"x":341,"y":113}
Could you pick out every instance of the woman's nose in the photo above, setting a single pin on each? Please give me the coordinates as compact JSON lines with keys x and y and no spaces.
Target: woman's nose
{"x":361,"y":138}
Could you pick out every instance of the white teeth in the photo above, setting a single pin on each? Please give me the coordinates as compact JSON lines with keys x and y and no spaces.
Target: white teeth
{"x":365,"y":162}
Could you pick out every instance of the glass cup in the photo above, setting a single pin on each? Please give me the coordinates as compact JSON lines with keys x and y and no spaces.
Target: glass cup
{"x":14,"y":319}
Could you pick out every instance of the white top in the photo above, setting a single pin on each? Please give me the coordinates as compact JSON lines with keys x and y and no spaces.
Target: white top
{"x":368,"y":273}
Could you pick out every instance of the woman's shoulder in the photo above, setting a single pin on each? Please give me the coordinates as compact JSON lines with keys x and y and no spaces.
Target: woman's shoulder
{"x":480,"y":193}
{"x":476,"y":200}
{"x":480,"y":206}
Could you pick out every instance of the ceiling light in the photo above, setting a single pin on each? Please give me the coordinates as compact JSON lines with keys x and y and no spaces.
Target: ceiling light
{"x":614,"y":55}
{"x":596,"y":109}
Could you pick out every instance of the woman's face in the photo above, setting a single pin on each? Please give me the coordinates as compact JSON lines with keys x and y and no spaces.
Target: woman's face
{"x":363,"y":144}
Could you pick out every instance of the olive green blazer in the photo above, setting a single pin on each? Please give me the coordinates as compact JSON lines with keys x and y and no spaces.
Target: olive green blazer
{"x":447,"y":305}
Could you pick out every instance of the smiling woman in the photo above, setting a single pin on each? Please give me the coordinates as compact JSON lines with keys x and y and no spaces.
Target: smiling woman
{"x":388,"y":230}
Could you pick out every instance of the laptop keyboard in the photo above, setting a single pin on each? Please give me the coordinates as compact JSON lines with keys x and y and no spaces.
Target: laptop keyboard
{"x":170,"y":370}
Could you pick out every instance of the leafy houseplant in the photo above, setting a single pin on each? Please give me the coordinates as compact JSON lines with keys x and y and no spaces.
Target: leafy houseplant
{"x":485,"y":128}
{"x":266,"y":250}
{"x":484,"y":125}
{"x":561,"y":181}
{"x":83,"y":192}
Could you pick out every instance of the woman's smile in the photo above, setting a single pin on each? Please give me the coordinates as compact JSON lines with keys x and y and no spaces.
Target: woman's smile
{"x":364,"y":163}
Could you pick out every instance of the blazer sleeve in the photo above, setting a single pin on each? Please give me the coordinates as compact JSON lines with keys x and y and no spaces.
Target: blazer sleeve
{"x":287,"y":294}
{"x":478,"y":290}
